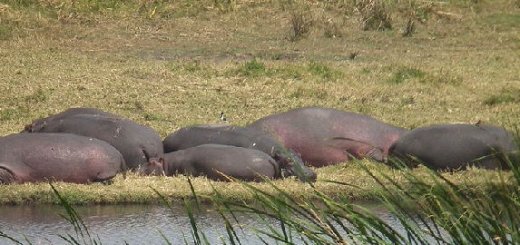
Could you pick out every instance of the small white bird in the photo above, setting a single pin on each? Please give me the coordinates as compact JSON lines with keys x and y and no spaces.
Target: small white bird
{"x":223,"y":117}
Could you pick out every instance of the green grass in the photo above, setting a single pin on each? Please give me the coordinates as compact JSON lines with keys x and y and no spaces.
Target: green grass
{"x":170,"y":64}
{"x":139,"y":189}
{"x":503,"y":20}
{"x":511,"y":95}
{"x":252,"y":68}
{"x":5,"y":32}
{"x":323,"y":71}
{"x":404,"y":73}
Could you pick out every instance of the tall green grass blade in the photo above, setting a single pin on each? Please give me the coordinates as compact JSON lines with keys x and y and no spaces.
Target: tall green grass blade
{"x":397,"y":206}
{"x":262,"y":240}
{"x":12,"y":239}
{"x":165,"y":239}
{"x":194,"y":195}
{"x":231,"y":234}
{"x":168,"y":204}
{"x":27,"y":240}
{"x":273,"y":201}
{"x":81,"y":230}
{"x":193,"y":223}
{"x":221,"y":203}
{"x":69,"y":239}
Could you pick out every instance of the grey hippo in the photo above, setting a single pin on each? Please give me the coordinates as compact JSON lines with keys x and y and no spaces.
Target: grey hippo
{"x":58,"y":157}
{"x":456,"y":146}
{"x":218,"y":162}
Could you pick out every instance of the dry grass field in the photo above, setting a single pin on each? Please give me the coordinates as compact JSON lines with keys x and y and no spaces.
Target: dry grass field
{"x":170,"y":64}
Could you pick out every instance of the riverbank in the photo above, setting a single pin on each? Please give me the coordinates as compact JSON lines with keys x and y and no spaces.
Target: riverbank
{"x":355,"y":184}
{"x":170,"y":65}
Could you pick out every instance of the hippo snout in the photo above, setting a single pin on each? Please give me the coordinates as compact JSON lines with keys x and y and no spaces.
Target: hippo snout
{"x":154,"y":166}
{"x":302,"y":172}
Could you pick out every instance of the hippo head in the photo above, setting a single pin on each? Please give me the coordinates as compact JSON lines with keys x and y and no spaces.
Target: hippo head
{"x":501,"y":138}
{"x":154,"y":166}
{"x":504,"y":142}
{"x":292,"y":165}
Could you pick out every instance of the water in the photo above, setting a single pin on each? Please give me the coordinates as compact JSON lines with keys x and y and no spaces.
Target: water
{"x":134,"y":224}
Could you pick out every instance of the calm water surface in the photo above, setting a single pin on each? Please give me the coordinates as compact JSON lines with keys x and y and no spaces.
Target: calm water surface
{"x":134,"y":224}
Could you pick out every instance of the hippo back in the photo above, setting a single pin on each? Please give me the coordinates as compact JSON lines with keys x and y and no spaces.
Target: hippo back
{"x":37,"y":124}
{"x":224,"y":135}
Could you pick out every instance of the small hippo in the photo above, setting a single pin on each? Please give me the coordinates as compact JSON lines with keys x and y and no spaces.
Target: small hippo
{"x":217,"y":162}
{"x":136,"y":142}
{"x":241,"y":137}
{"x":324,"y":136}
{"x":58,"y":157}
{"x":455,"y":146}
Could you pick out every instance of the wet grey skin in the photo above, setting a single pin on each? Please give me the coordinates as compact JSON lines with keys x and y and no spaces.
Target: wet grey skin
{"x":137,"y":143}
{"x":57,"y":157}
{"x":289,"y":162}
{"x":324,"y":136}
{"x":221,"y":162}
{"x":456,"y":146}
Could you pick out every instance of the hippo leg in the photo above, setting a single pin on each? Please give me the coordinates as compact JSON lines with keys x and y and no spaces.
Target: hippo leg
{"x":6,"y":176}
{"x":358,"y":149}
{"x":107,"y":182}
{"x":377,"y":155}
{"x":491,"y":161}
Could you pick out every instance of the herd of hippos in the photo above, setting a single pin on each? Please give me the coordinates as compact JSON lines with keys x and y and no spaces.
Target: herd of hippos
{"x":84,"y":145}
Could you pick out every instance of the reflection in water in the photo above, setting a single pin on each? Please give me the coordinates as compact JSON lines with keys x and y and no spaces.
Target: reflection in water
{"x":134,"y":224}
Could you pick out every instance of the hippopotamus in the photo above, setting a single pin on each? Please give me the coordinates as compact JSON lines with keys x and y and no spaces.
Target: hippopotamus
{"x":137,"y":143}
{"x":241,"y":137}
{"x":219,"y":162}
{"x":58,"y":157}
{"x":324,"y":136}
{"x":456,"y":146}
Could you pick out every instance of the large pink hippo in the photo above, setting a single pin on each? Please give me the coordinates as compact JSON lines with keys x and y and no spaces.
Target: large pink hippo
{"x":323,"y":136}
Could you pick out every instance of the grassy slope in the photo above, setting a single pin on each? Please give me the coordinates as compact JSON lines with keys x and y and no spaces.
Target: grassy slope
{"x":169,"y":65}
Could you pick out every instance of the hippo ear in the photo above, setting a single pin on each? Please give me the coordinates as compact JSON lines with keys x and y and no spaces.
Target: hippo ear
{"x":27,"y":128}
{"x":37,"y":126}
